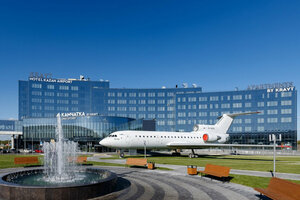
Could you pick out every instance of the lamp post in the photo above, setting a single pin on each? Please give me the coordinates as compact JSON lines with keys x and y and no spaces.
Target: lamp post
{"x":273,"y":138}
{"x":145,"y":148}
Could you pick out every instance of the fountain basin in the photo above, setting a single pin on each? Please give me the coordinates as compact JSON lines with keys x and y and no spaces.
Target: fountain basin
{"x":13,"y":187}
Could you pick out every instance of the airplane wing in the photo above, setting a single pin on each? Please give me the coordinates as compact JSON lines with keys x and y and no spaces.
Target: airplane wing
{"x":181,"y":145}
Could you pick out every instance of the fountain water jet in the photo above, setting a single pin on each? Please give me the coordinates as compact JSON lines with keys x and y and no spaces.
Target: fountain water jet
{"x":60,"y":157}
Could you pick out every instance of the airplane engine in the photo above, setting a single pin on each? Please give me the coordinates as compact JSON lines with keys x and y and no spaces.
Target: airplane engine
{"x":210,"y":137}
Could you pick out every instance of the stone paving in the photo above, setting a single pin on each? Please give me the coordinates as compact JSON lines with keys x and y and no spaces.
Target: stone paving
{"x":182,"y":169}
{"x":138,"y":183}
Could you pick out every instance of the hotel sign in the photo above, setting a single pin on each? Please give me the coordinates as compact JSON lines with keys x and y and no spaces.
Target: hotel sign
{"x":77,"y":114}
{"x":274,"y":87}
{"x":35,"y":76}
{"x":288,"y":89}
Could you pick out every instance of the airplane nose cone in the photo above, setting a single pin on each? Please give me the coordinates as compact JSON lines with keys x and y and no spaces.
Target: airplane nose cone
{"x":103,"y":142}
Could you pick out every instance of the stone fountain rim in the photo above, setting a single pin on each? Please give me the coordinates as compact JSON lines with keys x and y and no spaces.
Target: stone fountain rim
{"x":110,"y":177}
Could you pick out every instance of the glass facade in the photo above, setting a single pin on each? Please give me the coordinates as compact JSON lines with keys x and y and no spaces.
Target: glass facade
{"x":174,"y":109}
{"x":83,"y":129}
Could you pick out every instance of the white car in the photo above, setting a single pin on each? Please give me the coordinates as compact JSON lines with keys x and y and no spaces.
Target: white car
{"x":27,"y":151}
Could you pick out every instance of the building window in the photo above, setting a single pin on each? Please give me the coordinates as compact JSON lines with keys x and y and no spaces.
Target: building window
{"x":260,"y":120}
{"x":181,"y":122}
{"x":142,"y":116}
{"x":36,"y":93}
{"x":34,"y":100}
{"x":286,"y":103}
{"x":260,"y":104}
{"x":151,"y":101}
{"x":247,"y":121}
{"x":35,"y":107}
{"x":181,"y":114}
{"x":121,"y":102}
{"x":111,"y":108}
{"x":49,"y":107}
{"x":151,"y":116}
{"x":237,"y":105}
{"x":248,"y":96}
{"x":161,"y":94}
{"x":192,"y":114}
{"x":286,"y":111}
{"x":286,"y":119}
{"x":247,"y":105}
{"x":272,"y":112}
{"x":202,"y":106}
{"x":214,"y":114}
{"x":260,"y":128}
{"x":59,"y":101}
{"x":237,"y":97}
{"x":74,"y":109}
{"x":142,"y":108}
{"x":160,"y":101}
{"x":151,"y":108}
{"x":237,"y":121}
{"x":132,"y":108}
{"x":75,"y":95}
{"x":60,"y":94}
{"x":248,"y":128}
{"x":151,"y":94}
{"x":36,"y":85}
{"x":202,"y":98}
{"x":142,"y":94}
{"x":225,"y":105}
{"x":74,"y":102}
{"x":286,"y":94}
{"x":171,"y":116}
{"x":49,"y":100}
{"x":170,"y":94}
{"x":272,"y":120}
{"x":237,"y":129}
{"x":50,"y":87}
{"x":160,"y":108}
{"x":161,"y":116}
{"x":272,"y":103}
{"x":63,"y":87}
{"x":111,"y":101}
{"x":132,"y":101}
{"x":74,"y":88}
{"x":132,"y":115}
{"x":214,"y":98}
{"x":132,"y":94}
{"x":192,"y":99}
{"x":202,"y":114}
{"x":142,"y":101}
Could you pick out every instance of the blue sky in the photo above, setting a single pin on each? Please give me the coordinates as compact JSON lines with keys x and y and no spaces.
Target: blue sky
{"x":218,"y":45}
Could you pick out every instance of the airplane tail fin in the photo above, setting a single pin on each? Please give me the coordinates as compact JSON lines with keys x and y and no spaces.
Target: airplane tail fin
{"x":226,"y":120}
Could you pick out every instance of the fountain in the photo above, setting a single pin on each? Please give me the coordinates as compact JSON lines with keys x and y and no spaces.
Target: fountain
{"x":60,"y":178}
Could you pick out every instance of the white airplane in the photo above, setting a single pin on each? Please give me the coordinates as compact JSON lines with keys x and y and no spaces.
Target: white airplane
{"x":202,"y":136}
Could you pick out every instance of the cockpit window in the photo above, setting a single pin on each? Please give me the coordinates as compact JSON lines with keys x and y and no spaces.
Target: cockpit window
{"x":112,"y":136}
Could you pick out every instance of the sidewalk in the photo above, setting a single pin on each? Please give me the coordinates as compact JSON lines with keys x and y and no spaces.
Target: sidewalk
{"x":179,"y":169}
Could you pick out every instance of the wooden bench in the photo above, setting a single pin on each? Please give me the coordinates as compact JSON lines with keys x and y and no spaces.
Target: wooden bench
{"x":81,"y":159}
{"x":281,"y":189}
{"x":216,"y":170}
{"x":137,"y":162}
{"x":26,"y":160}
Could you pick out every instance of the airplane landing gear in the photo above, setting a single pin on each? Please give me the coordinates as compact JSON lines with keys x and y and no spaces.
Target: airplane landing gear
{"x":193,"y":155}
{"x":120,"y":153}
{"x":176,"y":152}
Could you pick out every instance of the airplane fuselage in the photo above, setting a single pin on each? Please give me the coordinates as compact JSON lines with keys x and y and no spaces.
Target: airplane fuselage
{"x":153,"y":139}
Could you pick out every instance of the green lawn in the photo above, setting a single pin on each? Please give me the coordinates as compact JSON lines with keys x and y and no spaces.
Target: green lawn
{"x":259,"y":163}
{"x":284,"y":164}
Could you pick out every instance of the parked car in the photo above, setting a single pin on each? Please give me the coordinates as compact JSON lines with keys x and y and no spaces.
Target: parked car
{"x":5,"y":151}
{"x":38,"y":151}
{"x":27,"y":151}
{"x":14,"y":151}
